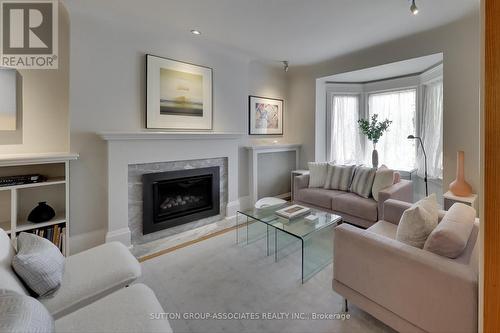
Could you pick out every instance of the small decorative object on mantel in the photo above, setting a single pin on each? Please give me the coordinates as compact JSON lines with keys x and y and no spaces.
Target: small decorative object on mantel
{"x":459,"y":186}
{"x":265,"y":116}
{"x":178,"y":95}
{"x":41,"y":213}
{"x":374,"y":130}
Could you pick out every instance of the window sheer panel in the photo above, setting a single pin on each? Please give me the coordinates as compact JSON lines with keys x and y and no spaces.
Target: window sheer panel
{"x":345,"y":142}
{"x":431,"y":130}
{"x":394,"y":149}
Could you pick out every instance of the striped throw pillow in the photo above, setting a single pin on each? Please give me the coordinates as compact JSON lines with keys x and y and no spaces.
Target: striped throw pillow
{"x":362,"y":181}
{"x":339,"y":177}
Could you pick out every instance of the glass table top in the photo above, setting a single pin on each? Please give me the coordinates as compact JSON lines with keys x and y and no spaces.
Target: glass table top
{"x":299,"y":227}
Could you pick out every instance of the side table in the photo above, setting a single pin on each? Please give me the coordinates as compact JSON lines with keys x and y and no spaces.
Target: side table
{"x":296,"y":173}
{"x":450,"y":199}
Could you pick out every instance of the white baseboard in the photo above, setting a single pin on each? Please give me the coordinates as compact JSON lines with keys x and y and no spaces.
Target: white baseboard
{"x":87,"y":240}
{"x":122,"y":235}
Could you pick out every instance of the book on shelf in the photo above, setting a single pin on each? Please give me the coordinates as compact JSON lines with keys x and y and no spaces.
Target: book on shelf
{"x":63,"y":242}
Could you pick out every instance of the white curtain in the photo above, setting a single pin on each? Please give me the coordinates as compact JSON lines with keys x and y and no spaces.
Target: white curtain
{"x":394,"y":149}
{"x":431,"y":130}
{"x":345,"y":143}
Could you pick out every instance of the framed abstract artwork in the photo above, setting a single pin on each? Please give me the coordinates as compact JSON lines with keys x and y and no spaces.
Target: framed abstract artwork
{"x":265,"y":116}
{"x":178,"y":95}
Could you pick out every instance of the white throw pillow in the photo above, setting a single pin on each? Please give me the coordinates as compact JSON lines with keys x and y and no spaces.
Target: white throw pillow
{"x":318,"y":172}
{"x":384,"y":178}
{"x":418,"y":222}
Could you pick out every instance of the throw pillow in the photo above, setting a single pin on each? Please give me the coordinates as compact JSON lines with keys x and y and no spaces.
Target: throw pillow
{"x":418,"y":221}
{"x":451,"y":235}
{"x":39,"y":263}
{"x":339,"y":177}
{"x":317,"y":173}
{"x":384,"y":178}
{"x":22,"y":313}
{"x":362,"y":181}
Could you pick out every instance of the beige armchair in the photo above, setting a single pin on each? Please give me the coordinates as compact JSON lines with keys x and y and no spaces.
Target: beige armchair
{"x":409,"y":289}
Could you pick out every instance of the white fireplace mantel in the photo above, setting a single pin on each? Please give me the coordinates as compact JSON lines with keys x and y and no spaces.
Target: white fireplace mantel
{"x":146,"y":135}
{"x":141,"y":147}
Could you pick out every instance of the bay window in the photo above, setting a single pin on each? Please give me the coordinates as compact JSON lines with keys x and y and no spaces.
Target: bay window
{"x":413,"y":109}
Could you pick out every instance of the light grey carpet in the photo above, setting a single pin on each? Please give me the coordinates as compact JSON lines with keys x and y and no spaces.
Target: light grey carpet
{"x":218,"y":276}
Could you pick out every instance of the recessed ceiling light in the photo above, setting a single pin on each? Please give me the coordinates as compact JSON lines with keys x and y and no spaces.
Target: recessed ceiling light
{"x":413,"y":8}
{"x":195,"y":32}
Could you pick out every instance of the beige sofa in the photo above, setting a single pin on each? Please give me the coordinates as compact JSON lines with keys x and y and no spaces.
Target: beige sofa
{"x":353,"y":208}
{"x":409,"y":289}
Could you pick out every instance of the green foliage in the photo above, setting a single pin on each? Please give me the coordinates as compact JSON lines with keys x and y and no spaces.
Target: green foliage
{"x":372,"y":128}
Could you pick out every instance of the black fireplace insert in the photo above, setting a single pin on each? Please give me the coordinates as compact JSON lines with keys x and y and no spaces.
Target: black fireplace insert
{"x":176,"y":197}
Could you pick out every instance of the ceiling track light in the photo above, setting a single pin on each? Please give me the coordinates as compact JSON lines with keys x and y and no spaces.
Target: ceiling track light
{"x":413,"y":8}
{"x":285,"y":66}
{"x":195,"y":32}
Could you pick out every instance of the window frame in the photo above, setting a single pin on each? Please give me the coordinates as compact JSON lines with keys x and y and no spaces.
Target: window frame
{"x":418,"y":98}
{"x":329,"y":110}
{"x":339,"y":89}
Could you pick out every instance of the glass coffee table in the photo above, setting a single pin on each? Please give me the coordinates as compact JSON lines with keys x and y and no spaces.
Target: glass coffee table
{"x":316,"y":237}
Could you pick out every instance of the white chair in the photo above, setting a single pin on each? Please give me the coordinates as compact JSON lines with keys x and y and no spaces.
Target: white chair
{"x":88,"y":275}
{"x":92,"y":296}
{"x":132,"y":309}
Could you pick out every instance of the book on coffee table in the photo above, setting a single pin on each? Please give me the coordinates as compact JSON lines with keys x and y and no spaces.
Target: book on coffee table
{"x":293,"y":211}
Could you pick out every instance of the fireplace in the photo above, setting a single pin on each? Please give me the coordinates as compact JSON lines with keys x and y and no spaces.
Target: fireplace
{"x":176,"y":197}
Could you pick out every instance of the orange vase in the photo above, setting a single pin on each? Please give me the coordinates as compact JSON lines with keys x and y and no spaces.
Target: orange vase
{"x":459,"y":186}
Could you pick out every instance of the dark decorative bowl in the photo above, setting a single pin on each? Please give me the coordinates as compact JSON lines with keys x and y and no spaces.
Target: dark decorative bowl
{"x":41,"y":213}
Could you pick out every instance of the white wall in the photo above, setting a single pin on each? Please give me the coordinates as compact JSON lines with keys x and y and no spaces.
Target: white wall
{"x":44,"y":124}
{"x":108,"y":94}
{"x":268,"y":80}
{"x":460,"y":44}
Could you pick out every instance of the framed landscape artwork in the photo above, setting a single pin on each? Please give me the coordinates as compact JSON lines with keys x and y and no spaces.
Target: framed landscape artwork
{"x":265,"y":116}
{"x":178,"y":95}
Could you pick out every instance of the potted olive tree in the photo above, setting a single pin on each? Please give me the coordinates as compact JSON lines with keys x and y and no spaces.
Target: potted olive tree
{"x":374,"y":129}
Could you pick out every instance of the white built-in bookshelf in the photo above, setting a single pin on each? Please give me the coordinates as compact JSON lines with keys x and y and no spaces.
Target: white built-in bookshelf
{"x":17,"y":201}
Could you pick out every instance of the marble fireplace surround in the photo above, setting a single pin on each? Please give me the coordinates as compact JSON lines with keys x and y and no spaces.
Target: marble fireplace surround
{"x":126,"y":149}
{"x":135,"y":197}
